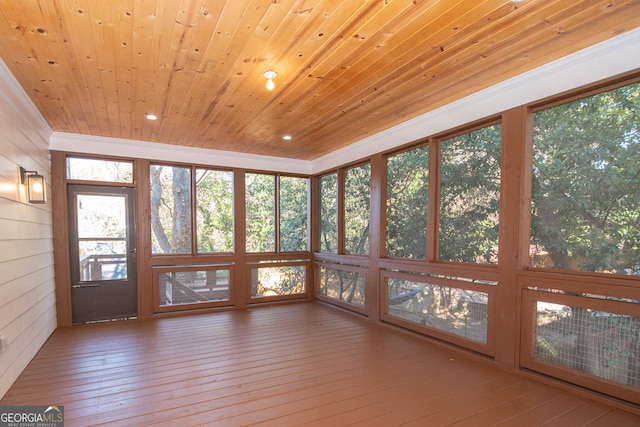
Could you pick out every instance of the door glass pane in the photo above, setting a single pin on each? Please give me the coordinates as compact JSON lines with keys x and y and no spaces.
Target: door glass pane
{"x":102,"y":237}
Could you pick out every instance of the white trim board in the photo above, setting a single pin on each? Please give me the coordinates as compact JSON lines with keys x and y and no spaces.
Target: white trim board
{"x":174,"y":153}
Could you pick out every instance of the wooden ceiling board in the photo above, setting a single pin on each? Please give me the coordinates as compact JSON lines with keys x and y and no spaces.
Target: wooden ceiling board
{"x":335,"y":80}
{"x":191,"y":72}
{"x":313,"y":33}
{"x":374,"y":95}
{"x":346,"y":69}
{"x":251,"y":59}
{"x":22,"y":29}
{"x":307,"y":24}
{"x":83,"y":50}
{"x":223,"y":79}
{"x":141,"y":65}
{"x":463,"y":70}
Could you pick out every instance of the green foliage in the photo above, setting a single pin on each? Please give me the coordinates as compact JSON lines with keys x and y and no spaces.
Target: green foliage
{"x":329,"y":213}
{"x":470,"y":196}
{"x":357,"y":209}
{"x":261,"y":212}
{"x":294,"y":214}
{"x":586,"y":206}
{"x":214,"y":210}
{"x":406,"y":216}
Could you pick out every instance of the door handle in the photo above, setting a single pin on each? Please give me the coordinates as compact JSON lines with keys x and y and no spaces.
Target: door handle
{"x":88,"y":285}
{"x":133,"y":251}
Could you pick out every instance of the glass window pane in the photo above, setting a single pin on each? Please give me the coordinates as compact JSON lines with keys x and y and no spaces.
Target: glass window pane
{"x":585,"y":201}
{"x":356,"y":213}
{"x":347,"y":286}
{"x":99,"y":170}
{"x":170,"y":210}
{"x":453,"y":310}
{"x":470,"y":196}
{"x":275,"y":281}
{"x":329,"y":213}
{"x":407,"y":179}
{"x":102,"y":237}
{"x":193,"y":286}
{"x":261,"y":212}
{"x":294,"y":214}
{"x":214,"y":216}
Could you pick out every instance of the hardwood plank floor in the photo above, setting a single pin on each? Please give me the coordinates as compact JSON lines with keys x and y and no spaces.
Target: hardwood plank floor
{"x":297,"y":364}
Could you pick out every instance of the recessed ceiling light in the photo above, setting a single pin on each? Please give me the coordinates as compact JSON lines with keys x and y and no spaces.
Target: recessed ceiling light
{"x":287,"y":137}
{"x":151,"y":117}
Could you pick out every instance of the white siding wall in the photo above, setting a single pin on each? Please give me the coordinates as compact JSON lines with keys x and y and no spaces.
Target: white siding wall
{"x":27,"y":288}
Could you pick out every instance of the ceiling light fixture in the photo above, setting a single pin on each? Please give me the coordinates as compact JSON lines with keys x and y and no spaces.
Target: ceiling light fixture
{"x":270,"y":75}
{"x":287,"y":137}
{"x":151,"y":117}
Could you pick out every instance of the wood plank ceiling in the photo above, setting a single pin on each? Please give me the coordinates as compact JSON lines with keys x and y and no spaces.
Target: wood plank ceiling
{"x":346,"y":69}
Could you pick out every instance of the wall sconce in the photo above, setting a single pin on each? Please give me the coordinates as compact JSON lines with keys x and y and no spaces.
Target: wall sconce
{"x":270,"y":75}
{"x":35,"y":185}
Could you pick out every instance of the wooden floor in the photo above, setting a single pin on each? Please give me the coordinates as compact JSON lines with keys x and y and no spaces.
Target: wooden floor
{"x":300,"y":364}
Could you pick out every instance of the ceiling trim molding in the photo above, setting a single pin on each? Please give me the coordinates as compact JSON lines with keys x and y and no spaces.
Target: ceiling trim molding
{"x":606,"y":59}
{"x":86,"y":144}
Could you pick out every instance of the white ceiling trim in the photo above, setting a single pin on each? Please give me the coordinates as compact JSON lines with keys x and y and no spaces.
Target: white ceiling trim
{"x":99,"y":145}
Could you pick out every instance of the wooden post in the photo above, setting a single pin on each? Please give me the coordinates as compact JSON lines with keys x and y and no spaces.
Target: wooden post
{"x":506,"y":305}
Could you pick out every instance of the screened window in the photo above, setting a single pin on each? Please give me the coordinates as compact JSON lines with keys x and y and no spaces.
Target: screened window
{"x":470,"y":196}
{"x":214,"y":210}
{"x":450,"y":309}
{"x":261,"y":212}
{"x":99,"y":170}
{"x":329,"y":213}
{"x":278,"y":281}
{"x":585,"y":202}
{"x":182,"y":286}
{"x":342,"y":285}
{"x":289,"y":211}
{"x":356,"y":213}
{"x":170,"y":209}
{"x":294,"y":214}
{"x":407,"y":195}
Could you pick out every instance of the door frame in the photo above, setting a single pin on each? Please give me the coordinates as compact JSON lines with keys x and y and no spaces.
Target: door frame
{"x":130,"y":251}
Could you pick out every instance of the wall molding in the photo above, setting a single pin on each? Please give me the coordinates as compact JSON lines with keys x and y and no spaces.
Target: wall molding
{"x":76,"y":143}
